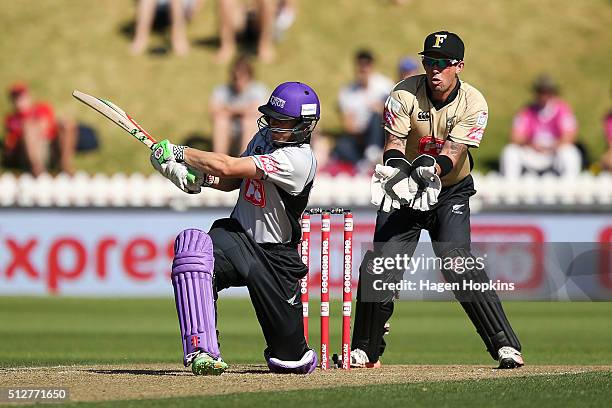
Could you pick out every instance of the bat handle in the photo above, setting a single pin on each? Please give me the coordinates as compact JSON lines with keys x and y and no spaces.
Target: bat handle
{"x":191,"y":177}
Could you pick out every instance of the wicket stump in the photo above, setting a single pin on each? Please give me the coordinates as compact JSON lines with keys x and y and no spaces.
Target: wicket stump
{"x":325,"y":279}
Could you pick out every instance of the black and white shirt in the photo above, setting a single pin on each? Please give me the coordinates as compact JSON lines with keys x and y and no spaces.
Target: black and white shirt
{"x":269,"y":209}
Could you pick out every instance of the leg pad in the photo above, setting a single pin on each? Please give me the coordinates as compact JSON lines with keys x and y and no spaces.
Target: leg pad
{"x":192,"y":279}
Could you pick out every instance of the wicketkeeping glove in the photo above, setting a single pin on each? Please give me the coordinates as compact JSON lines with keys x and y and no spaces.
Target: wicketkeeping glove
{"x":427,"y":184}
{"x":391,"y":187}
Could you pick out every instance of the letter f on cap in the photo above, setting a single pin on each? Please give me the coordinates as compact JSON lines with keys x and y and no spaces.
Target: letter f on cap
{"x":439,"y":40}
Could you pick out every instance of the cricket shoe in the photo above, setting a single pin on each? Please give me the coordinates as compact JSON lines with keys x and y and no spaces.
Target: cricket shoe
{"x":359,"y":359}
{"x":510,"y":358}
{"x":205,"y":364}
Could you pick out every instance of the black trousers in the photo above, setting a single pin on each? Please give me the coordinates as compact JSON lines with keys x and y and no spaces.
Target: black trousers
{"x":271,"y":272}
{"x":448,"y":224}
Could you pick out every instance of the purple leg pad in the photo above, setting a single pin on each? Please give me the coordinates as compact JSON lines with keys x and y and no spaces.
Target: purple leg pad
{"x":192,"y":279}
{"x":306,"y":365}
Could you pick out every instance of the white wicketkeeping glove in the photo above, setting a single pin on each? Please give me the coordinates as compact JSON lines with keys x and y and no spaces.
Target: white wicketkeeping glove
{"x":177,"y":174}
{"x":427,"y":184}
{"x":427,"y":197}
{"x":391,"y":187}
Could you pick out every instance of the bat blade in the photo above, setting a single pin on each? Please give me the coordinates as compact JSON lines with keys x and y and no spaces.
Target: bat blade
{"x":117,"y":116}
{"x":121,"y":119}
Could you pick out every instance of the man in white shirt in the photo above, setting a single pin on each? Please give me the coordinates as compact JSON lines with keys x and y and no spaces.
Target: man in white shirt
{"x":361,"y":105}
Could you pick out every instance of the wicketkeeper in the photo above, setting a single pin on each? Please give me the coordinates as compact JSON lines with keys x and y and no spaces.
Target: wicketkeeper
{"x":431,"y":120}
{"x":256,"y":246}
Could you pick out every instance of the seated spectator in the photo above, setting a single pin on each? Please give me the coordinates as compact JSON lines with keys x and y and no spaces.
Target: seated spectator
{"x":234,"y":108}
{"x":252,"y":18}
{"x":407,"y":67}
{"x":606,"y":159}
{"x":361,"y":105}
{"x":543,"y":136}
{"x":285,"y":17}
{"x":35,"y":139}
{"x":171,"y":13}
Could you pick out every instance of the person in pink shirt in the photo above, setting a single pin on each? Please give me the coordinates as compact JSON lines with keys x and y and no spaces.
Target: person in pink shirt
{"x":543,"y":136}
{"x":606,"y":159}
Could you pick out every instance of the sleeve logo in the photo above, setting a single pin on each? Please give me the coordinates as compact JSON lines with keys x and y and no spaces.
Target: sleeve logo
{"x":475,"y":134}
{"x":268,"y":164}
{"x":482,"y":119}
{"x":392,"y":109}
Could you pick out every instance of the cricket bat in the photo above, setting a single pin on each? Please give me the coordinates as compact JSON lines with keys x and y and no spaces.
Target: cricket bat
{"x":121,"y":119}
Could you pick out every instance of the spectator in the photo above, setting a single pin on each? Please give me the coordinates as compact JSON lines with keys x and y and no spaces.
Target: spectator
{"x":172,"y":12}
{"x":407,"y":67}
{"x":606,"y":159}
{"x":285,"y":17}
{"x":361,"y":104}
{"x":34,"y":138}
{"x":543,"y":136}
{"x":234,"y":107}
{"x":236,"y":16}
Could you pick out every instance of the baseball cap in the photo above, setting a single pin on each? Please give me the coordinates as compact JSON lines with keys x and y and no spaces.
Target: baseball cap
{"x":407,"y":64}
{"x":444,"y":43}
{"x":17,"y":89}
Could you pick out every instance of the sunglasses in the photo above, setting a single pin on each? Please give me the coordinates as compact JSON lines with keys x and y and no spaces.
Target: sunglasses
{"x":441,"y":63}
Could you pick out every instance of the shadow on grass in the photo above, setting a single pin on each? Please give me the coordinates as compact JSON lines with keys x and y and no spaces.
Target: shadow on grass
{"x":172,"y":373}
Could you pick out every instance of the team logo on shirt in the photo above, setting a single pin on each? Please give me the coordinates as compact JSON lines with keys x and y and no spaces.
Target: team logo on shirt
{"x":422,"y":115}
{"x":430,"y":145}
{"x":255,"y":193}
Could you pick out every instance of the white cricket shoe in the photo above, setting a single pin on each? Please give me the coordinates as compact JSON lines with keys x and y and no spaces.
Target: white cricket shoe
{"x":510,"y":358}
{"x":359,"y":359}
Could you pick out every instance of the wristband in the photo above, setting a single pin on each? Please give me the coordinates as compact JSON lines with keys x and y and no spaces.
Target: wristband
{"x":209,"y":180}
{"x":445,"y":163}
{"x":179,"y":152}
{"x":397,"y":159}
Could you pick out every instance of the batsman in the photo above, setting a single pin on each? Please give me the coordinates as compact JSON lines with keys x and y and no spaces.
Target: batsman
{"x":431,"y":123}
{"x":256,"y":246}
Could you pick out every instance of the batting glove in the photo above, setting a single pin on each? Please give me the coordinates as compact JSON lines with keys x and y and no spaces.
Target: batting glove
{"x":186,"y":179}
{"x":165,"y":151}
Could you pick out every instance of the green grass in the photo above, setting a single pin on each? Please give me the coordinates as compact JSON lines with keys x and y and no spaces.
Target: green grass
{"x":60,"y":45}
{"x":569,"y":390}
{"x":49,"y":331}
{"x":52,"y":331}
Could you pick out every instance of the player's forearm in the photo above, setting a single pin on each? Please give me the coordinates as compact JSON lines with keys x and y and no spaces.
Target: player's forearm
{"x":221,"y":165}
{"x":394,"y":142}
{"x":215,"y":164}
{"x":453,"y":151}
{"x":226,"y":184}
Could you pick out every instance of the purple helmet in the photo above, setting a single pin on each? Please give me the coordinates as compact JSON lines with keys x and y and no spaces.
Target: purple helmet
{"x":290,"y":101}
